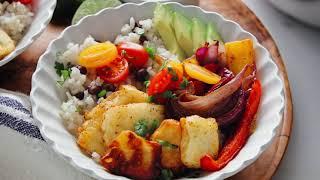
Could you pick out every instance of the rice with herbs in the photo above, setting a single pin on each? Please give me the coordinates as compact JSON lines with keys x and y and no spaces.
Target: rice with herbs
{"x":75,"y":83}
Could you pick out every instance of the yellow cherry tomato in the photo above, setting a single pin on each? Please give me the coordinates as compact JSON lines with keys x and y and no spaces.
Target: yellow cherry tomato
{"x":191,"y":60}
{"x":200,"y":73}
{"x":176,"y":65}
{"x":98,"y":55}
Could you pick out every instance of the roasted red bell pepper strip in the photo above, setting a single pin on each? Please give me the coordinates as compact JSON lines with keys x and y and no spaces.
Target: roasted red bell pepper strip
{"x":234,"y":145}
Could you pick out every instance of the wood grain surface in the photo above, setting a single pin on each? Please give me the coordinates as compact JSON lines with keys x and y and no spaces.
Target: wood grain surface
{"x":16,"y":75}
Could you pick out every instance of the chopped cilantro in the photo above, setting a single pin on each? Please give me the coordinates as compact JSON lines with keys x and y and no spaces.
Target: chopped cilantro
{"x":166,"y":174}
{"x":79,"y":109}
{"x":102,"y":93}
{"x":168,"y":95}
{"x":58,"y":66}
{"x":151,"y":51}
{"x":62,"y":71}
{"x":151,"y":99}
{"x":163,"y":65}
{"x":184,"y":84}
{"x":141,"y":128}
{"x":154,"y":126}
{"x":146,"y":83}
{"x":166,"y":144}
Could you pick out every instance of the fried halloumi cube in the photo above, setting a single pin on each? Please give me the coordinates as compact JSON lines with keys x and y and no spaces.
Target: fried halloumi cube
{"x":90,"y":135}
{"x":124,"y":117}
{"x":169,"y":131}
{"x":6,"y":44}
{"x":199,"y":137}
{"x":132,"y":156}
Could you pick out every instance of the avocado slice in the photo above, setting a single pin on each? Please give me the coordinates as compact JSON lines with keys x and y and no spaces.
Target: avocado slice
{"x":199,"y":33}
{"x":212,"y":33}
{"x":183,"y":31}
{"x":163,"y":22}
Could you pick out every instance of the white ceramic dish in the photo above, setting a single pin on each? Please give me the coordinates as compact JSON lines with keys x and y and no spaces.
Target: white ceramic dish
{"x":46,"y":97}
{"x":185,"y":2}
{"x":43,"y":11}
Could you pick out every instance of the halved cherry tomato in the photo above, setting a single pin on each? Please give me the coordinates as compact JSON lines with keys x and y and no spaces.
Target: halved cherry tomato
{"x":159,"y":83}
{"x":133,"y":53}
{"x":98,"y":55}
{"x":166,"y":79}
{"x":115,"y":72}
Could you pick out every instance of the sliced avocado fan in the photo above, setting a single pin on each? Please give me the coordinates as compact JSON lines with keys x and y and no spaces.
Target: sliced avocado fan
{"x":163,"y":21}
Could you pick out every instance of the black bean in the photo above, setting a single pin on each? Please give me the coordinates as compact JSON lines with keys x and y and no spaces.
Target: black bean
{"x":109,"y":87}
{"x":79,"y":95}
{"x":83,"y":70}
{"x":142,"y":39}
{"x":142,"y":75}
{"x":94,"y":89}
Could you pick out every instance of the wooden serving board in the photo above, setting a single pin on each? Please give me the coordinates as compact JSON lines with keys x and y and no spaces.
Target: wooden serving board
{"x":16,"y":76}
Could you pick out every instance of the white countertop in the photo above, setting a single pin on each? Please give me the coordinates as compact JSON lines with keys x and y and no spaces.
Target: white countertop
{"x":299,"y":47}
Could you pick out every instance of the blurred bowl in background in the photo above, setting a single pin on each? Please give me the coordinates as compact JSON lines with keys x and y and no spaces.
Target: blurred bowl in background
{"x":307,"y":11}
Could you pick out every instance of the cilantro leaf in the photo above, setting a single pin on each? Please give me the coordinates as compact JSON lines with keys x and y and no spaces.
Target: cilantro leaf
{"x":164,"y":64}
{"x":173,"y":74}
{"x":102,"y":93}
{"x":141,"y":128}
{"x":151,"y":51}
{"x":168,"y":94}
{"x":151,"y":99}
{"x":146,"y":83}
{"x":166,"y":144}
{"x":154,"y":125}
{"x":166,"y":174}
{"x":184,"y":84}
{"x":58,"y":66}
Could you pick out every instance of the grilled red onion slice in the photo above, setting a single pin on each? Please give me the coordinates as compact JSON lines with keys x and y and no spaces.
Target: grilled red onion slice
{"x":209,"y":101}
{"x":234,"y":114}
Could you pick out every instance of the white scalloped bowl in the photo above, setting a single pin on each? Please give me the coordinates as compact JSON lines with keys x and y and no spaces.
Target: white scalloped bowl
{"x":43,"y":11}
{"x":46,"y":97}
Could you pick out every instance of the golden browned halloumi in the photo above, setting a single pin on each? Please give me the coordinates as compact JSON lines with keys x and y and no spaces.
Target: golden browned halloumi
{"x":6,"y":44}
{"x":132,"y":156}
{"x":169,"y":131}
{"x":199,"y":137}
{"x":90,"y":135}
{"x":124,"y":117}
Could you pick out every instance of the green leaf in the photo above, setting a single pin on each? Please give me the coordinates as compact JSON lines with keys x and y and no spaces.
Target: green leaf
{"x":59,"y":67}
{"x":151,"y":51}
{"x":173,"y":74}
{"x":65,"y":74}
{"x":163,"y":65}
{"x":166,"y":174}
{"x":146,"y":83}
{"x":151,"y":99}
{"x":102,"y":93}
{"x":184,"y":84}
{"x":141,"y":128}
{"x":154,"y":125}
{"x":168,"y":95}
{"x":166,"y":144}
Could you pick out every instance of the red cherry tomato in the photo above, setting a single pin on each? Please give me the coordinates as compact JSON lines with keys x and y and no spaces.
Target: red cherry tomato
{"x":25,"y":1}
{"x":133,"y":53}
{"x":115,"y":72}
{"x":159,"y":83}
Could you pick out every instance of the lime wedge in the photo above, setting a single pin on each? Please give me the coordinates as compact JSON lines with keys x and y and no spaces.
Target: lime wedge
{"x":93,"y":6}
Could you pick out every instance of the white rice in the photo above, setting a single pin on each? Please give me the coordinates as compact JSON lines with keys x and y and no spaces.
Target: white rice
{"x":15,"y":18}
{"x":76,"y":81}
